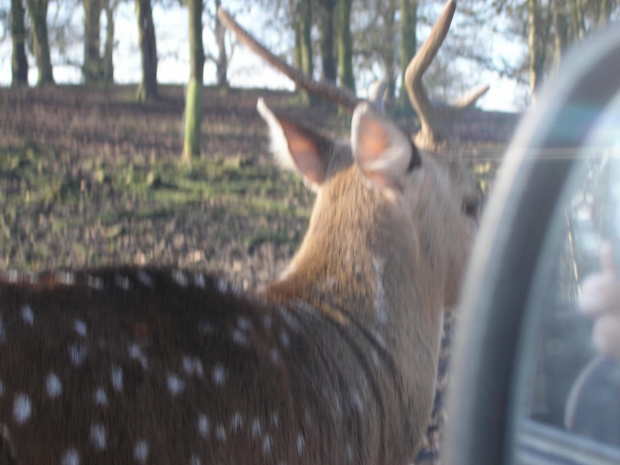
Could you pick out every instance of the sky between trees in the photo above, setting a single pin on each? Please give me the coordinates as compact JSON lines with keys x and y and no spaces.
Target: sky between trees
{"x":489,"y":42}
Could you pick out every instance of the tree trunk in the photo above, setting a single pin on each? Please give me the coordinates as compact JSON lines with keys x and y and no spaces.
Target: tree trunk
{"x":408,"y":44}
{"x":388,"y":47}
{"x":37,"y":10}
{"x":345,"y":45}
{"x":109,"y":7}
{"x":93,"y":69}
{"x":221,"y":64}
{"x":326,"y":26}
{"x":577,"y":21}
{"x":19,"y":62}
{"x":304,"y":18}
{"x":147,"y":90}
{"x":604,"y":13}
{"x":193,"y":110}
{"x":303,"y":44}
{"x":534,"y":42}
{"x":560,"y":29}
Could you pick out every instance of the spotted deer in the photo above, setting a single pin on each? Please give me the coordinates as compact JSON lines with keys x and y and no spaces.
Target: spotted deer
{"x":334,"y":362}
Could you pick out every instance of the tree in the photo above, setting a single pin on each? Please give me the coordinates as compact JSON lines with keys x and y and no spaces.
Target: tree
{"x":147,"y":89}
{"x":37,"y":11}
{"x":19,"y":61}
{"x":408,"y":41}
{"x":327,"y":19}
{"x":193,"y":100}
{"x":221,"y":59}
{"x":109,"y":7}
{"x":345,"y":45}
{"x":92,"y":68}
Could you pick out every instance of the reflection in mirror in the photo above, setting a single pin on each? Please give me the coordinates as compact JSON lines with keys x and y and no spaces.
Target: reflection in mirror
{"x":567,"y":391}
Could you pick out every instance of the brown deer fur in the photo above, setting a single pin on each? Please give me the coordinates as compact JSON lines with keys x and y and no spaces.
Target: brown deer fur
{"x":333,"y":363}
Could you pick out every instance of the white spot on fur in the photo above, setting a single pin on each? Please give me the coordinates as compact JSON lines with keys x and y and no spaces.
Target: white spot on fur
{"x":27,"y":315}
{"x":53,"y":386}
{"x":349,"y":452}
{"x":267,"y":321}
{"x":101,"y":397}
{"x":275,"y":419}
{"x":274,"y":355}
{"x":375,"y":357}
{"x":285,"y":340}
{"x":328,"y":284}
{"x":80,"y":327}
{"x":236,"y":422}
{"x":95,"y":282}
{"x":289,"y":320}
{"x":205,"y":328}
{"x":66,"y":278}
{"x":203,"y":425}
{"x":301,"y":442}
{"x":70,"y":457}
{"x":176,"y":385}
{"x":256,"y":428}
{"x":219,"y":375}
{"x":267,"y":444}
{"x":98,"y":436}
{"x":22,"y":408}
{"x":220,"y":432}
{"x":135,"y":353}
{"x":222,"y":285}
{"x":180,"y":278}
{"x":122,"y":281}
{"x":307,"y":417}
{"x":117,"y":377}
{"x":243,"y":323}
{"x":1,"y":388}
{"x":195,"y":460}
{"x":239,"y":337}
{"x":2,"y":332}
{"x":379,"y":338}
{"x":12,"y":276}
{"x":77,"y":353}
{"x":145,"y":278}
{"x":199,"y":280}
{"x":141,"y":451}
{"x":380,"y":305}
{"x":356,"y":400}
{"x":193,"y":366}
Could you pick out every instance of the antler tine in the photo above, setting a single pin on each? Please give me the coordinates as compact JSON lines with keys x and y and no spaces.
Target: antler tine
{"x":469,"y":98}
{"x":324,"y":90}
{"x":435,"y":120}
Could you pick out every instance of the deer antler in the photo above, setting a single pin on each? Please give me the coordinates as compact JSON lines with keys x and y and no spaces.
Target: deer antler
{"x":327,"y":91}
{"x":436,"y":120}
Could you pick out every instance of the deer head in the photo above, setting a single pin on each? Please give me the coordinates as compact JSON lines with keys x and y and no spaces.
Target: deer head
{"x":334,"y":362}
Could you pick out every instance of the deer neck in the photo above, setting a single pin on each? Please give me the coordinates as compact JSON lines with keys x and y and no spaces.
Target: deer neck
{"x":365,"y":267}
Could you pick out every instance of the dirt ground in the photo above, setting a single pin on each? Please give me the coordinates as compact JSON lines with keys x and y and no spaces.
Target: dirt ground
{"x":88,"y":177}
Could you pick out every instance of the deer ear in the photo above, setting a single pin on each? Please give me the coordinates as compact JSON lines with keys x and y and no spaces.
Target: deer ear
{"x":383,"y":152}
{"x":297,"y":148}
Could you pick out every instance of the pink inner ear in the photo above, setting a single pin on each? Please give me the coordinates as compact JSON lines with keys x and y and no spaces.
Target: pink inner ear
{"x":305,"y":153}
{"x":373,"y":140}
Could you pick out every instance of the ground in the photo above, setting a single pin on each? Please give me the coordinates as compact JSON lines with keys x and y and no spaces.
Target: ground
{"x":88,"y":177}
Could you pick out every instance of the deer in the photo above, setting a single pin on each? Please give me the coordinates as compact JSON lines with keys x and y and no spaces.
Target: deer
{"x":333,"y":362}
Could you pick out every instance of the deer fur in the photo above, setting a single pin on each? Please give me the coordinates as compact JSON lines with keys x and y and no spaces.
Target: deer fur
{"x":332,"y":363}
